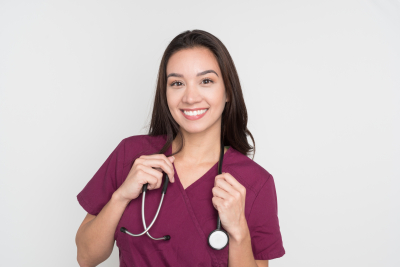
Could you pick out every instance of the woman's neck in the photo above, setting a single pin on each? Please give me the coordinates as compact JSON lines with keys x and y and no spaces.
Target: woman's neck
{"x":198,"y":148}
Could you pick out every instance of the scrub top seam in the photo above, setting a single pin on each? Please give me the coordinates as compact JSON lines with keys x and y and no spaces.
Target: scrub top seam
{"x":193,"y":217}
{"x":241,"y":179}
{"x":86,"y":205}
{"x":252,"y":204}
{"x":270,"y":255}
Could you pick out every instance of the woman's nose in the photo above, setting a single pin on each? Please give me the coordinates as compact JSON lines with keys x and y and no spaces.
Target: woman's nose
{"x":192,"y":94}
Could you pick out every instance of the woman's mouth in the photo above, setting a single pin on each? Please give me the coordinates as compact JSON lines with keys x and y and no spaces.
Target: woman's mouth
{"x":194,"y":114}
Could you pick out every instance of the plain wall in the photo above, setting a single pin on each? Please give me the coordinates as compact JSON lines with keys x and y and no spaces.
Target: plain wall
{"x":322,"y":88}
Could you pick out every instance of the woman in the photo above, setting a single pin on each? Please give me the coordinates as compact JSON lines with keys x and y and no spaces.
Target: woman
{"x":198,"y":103}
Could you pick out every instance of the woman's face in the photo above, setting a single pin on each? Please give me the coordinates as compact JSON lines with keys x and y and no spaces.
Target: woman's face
{"x":195,"y":89}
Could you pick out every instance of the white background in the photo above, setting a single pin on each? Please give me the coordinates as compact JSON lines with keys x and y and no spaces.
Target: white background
{"x":321,"y":84}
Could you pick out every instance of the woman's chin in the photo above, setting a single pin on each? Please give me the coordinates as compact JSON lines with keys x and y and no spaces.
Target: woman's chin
{"x":194,"y":130}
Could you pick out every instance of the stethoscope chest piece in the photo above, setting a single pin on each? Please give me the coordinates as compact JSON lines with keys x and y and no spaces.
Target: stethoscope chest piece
{"x":218,"y":239}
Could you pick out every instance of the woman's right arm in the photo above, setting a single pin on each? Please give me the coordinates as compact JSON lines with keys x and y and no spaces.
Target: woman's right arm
{"x":95,"y":236}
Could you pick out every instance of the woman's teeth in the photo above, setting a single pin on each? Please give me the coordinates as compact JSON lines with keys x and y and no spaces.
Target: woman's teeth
{"x":194,"y":113}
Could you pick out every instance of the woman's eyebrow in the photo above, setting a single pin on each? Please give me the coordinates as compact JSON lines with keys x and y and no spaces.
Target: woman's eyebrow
{"x":198,"y":74}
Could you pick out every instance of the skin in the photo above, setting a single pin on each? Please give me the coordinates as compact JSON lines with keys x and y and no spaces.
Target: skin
{"x":202,"y":142}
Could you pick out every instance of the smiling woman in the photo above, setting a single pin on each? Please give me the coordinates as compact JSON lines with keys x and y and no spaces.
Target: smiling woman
{"x":193,"y":94}
{"x":199,"y":115}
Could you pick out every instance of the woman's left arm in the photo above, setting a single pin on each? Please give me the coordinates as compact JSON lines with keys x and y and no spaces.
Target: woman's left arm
{"x":240,"y":252}
{"x":229,"y":199}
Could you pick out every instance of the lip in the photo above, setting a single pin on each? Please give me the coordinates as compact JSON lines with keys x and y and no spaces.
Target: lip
{"x":192,"y":118}
{"x":193,"y":109}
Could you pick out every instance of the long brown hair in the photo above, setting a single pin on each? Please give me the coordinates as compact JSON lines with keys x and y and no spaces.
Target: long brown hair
{"x":234,"y":117}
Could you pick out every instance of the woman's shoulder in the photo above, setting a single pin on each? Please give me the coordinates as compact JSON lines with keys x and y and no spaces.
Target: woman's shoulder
{"x":143,"y":144}
{"x":248,"y":172}
{"x":145,"y":140}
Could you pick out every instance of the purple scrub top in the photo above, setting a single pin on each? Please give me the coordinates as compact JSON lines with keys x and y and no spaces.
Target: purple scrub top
{"x":187,"y":215}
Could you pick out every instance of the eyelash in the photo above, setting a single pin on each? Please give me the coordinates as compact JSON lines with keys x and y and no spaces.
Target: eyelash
{"x":205,"y":79}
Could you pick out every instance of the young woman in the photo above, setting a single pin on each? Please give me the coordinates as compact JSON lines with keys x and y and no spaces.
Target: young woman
{"x":198,"y":113}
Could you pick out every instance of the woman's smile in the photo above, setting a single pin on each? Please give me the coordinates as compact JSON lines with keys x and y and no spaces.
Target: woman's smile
{"x":194,"y":114}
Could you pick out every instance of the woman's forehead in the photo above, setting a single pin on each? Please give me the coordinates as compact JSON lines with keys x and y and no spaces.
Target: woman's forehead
{"x":192,"y":61}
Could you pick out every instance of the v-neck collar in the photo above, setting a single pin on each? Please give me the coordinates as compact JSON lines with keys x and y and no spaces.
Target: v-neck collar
{"x":185,"y":196}
{"x":199,"y":180}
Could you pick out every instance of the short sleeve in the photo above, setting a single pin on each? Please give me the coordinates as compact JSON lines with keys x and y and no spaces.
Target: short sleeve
{"x":266,"y":239}
{"x":98,"y":191}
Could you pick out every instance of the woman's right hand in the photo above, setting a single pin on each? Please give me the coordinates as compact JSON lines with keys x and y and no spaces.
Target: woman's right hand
{"x":146,"y":169}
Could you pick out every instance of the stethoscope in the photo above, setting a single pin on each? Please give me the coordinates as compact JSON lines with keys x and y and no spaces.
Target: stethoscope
{"x":217,"y":239}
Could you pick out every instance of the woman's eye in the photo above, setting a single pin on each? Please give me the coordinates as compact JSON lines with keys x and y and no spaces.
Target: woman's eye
{"x":207,"y":81}
{"x":176,"y":83}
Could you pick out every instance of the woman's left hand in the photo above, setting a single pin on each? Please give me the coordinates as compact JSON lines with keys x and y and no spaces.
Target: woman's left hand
{"x":229,"y":199}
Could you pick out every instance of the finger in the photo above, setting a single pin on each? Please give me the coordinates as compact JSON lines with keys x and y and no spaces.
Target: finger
{"x":153,"y":184}
{"x":150,"y":180}
{"x":167,"y":167}
{"x":217,"y":202}
{"x":227,"y":187}
{"x":159,"y":156}
{"x":232,"y":181}
{"x":221,"y":193}
{"x":220,"y":182}
{"x":159,"y":163}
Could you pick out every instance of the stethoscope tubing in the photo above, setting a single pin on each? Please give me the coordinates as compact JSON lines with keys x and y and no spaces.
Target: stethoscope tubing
{"x":219,"y":231}
{"x":158,"y":210}
{"x":146,"y":231}
{"x":211,"y":238}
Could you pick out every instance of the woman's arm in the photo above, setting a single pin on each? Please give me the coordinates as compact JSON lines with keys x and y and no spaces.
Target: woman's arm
{"x":229,"y":199}
{"x":95,"y":236}
{"x":240,"y":252}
